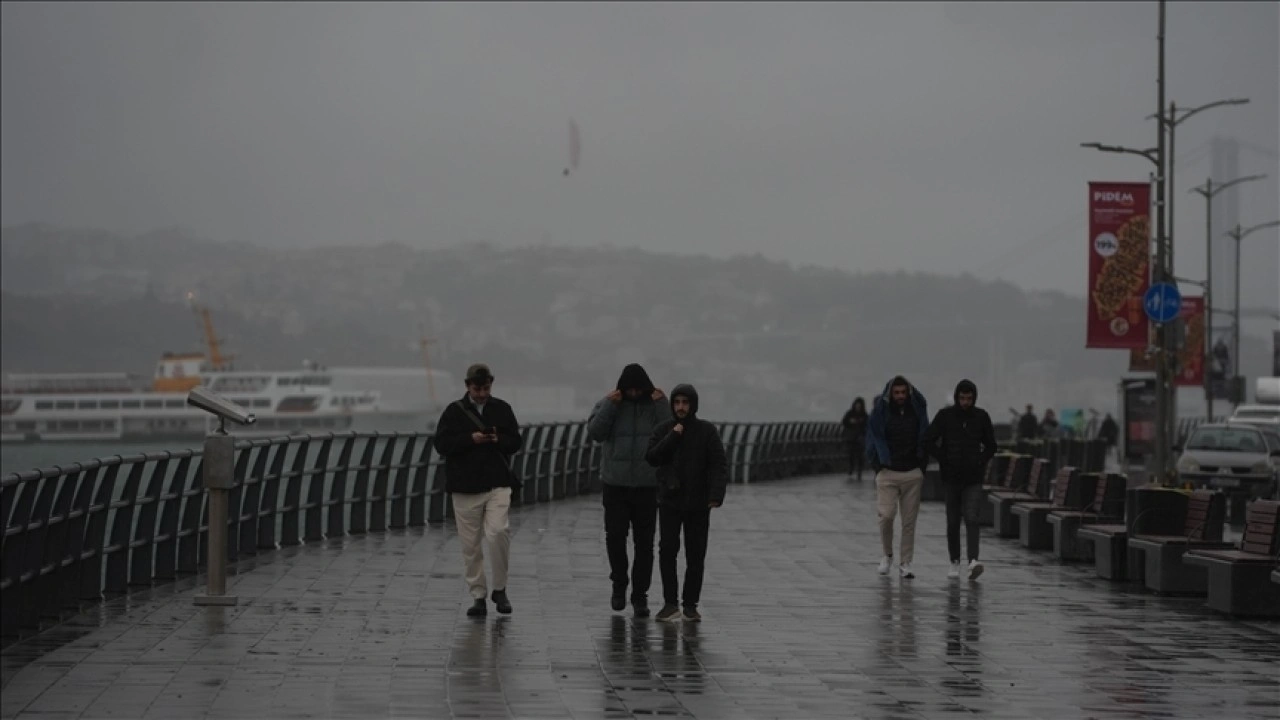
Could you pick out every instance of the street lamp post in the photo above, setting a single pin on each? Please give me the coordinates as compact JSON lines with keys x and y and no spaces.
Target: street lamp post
{"x":1209,"y":191}
{"x":1171,"y":122}
{"x":1237,"y":234}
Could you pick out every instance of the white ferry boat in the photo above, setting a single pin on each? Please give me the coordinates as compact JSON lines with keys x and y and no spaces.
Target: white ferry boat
{"x":118,"y":406}
{"x":80,"y":407}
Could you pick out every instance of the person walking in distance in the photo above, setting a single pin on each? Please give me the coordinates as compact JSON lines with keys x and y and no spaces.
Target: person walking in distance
{"x":854,"y":429}
{"x":693,"y":475}
{"x":895,"y":437}
{"x":1109,"y":434}
{"x":477,"y":436}
{"x":963,"y":439}
{"x":1028,"y":425}
{"x":623,"y":421}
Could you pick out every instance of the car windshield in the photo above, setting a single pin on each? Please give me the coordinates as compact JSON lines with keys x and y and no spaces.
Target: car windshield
{"x":1273,"y":441}
{"x":1227,"y":440}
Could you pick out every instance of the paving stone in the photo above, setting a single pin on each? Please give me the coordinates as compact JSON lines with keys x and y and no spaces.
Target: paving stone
{"x":797,"y":624}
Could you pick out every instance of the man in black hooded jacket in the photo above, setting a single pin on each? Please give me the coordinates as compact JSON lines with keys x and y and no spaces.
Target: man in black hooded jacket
{"x":693,"y":475}
{"x":962,"y":438}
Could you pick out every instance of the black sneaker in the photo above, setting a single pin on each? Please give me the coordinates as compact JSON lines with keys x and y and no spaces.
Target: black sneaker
{"x":668,"y":613}
{"x":619,"y":600}
{"x":640,"y":606}
{"x":500,"y":599}
{"x":478,"y":608}
{"x":691,"y":614}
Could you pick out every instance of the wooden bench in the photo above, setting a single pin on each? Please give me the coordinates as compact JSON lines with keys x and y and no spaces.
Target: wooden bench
{"x":1107,"y":506}
{"x":1164,"y":571}
{"x":1034,"y":486}
{"x":1000,"y":473}
{"x":1070,"y":490}
{"x":1152,"y":509}
{"x":1238,"y":581}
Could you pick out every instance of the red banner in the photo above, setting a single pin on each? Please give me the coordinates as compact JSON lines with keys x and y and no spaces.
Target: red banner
{"x":1119,"y":260}
{"x":1191,"y":359}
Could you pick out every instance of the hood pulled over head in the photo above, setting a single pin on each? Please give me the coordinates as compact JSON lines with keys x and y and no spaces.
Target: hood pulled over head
{"x":685,"y":390}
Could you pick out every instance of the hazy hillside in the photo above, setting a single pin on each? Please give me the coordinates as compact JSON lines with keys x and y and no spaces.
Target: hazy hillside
{"x":759,"y":338}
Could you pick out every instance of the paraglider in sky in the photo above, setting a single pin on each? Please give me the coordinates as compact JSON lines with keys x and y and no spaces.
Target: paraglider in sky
{"x":575,"y":147}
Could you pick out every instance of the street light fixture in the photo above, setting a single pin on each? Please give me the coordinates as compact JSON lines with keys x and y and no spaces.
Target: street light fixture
{"x":1149,"y":153}
{"x":1238,"y":234}
{"x":1171,"y":121}
{"x":1209,"y":191}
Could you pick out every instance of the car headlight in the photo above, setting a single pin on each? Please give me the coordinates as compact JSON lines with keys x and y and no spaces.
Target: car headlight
{"x":1262,"y":466}
{"x":1187,"y":464}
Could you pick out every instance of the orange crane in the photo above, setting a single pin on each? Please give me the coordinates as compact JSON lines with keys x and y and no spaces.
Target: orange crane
{"x":217,"y":361}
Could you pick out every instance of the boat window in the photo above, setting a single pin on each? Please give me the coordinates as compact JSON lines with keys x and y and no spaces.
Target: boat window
{"x":65,"y":405}
{"x":130,"y":403}
{"x":44,"y":404}
{"x":109,"y":404}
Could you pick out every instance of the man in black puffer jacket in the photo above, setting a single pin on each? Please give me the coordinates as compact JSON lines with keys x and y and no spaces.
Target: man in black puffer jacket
{"x":962,"y":438}
{"x":693,"y":475}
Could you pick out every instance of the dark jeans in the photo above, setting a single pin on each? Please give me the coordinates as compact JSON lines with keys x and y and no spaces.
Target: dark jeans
{"x":697,"y":525}
{"x":635,"y":509}
{"x":963,"y":498}
{"x":857,"y":457}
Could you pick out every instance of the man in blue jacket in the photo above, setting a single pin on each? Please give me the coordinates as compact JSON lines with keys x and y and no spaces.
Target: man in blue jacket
{"x":896,"y":451}
{"x":622,"y":421}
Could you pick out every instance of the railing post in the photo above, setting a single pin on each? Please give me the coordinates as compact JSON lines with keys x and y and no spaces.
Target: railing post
{"x":219,"y":478}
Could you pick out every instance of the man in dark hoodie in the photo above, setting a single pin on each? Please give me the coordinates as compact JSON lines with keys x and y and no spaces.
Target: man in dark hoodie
{"x":964,"y":441}
{"x":854,"y":430}
{"x":623,"y":421}
{"x":895,"y":448}
{"x":693,"y":475}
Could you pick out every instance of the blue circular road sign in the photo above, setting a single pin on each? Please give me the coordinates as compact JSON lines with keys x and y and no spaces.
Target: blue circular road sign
{"x":1162,"y":302}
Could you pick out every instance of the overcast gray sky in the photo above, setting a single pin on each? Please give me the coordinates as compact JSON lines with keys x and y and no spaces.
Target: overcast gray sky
{"x":864,"y":136}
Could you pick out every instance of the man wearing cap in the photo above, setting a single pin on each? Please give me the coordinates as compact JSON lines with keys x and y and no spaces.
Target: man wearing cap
{"x":477,"y":436}
{"x":623,"y":420}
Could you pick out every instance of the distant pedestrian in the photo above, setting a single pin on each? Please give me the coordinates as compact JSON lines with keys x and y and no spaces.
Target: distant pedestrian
{"x":895,"y":433}
{"x":854,"y":431}
{"x":693,"y":475}
{"x":1049,"y":425}
{"x":1109,"y":434}
{"x":624,"y":421}
{"x":477,"y":436}
{"x":963,"y":439}
{"x":1028,"y":425}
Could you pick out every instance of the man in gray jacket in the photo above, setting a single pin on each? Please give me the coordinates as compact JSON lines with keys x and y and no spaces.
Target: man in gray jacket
{"x":623,"y":420}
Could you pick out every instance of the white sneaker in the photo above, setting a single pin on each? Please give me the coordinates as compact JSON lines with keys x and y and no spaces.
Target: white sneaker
{"x":975,"y":569}
{"x":954,"y":572}
{"x":905,"y":570}
{"x":885,"y":562}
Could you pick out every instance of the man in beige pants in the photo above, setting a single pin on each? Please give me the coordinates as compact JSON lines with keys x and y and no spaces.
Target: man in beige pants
{"x":895,"y":449}
{"x":477,"y":436}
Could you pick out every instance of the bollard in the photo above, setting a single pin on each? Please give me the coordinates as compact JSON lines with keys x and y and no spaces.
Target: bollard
{"x":219,"y":478}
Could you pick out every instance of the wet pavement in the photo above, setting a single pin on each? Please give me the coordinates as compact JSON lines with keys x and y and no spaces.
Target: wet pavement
{"x":797,"y":624}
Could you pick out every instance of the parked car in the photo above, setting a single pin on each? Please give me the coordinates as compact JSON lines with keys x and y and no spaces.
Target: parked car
{"x":1267,"y":415}
{"x":1238,"y":458}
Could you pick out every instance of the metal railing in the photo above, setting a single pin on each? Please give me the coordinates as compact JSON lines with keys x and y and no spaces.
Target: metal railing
{"x":76,"y":534}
